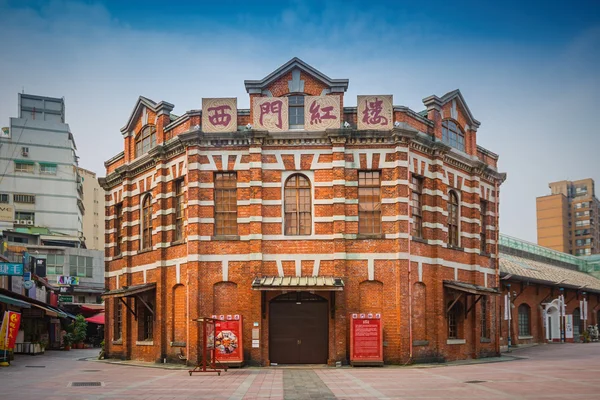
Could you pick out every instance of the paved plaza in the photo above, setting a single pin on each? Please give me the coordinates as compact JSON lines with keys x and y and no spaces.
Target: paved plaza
{"x":556,"y":371}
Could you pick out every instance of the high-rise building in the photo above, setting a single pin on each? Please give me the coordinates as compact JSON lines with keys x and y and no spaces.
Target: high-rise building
{"x":567,"y":219}
{"x":93,"y":219}
{"x":39,"y":182}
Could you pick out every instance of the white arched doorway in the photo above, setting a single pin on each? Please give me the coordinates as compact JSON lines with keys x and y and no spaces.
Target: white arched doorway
{"x":552,"y":322}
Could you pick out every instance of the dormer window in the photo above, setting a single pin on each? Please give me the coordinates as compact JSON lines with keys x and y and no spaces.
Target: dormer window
{"x":452,"y":135}
{"x":296,"y":111}
{"x":145,"y":140}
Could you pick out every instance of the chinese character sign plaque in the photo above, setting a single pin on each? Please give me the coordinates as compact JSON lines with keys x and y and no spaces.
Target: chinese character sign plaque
{"x":375,"y":112}
{"x":321,"y":112}
{"x":219,"y":115}
{"x":270,"y":114}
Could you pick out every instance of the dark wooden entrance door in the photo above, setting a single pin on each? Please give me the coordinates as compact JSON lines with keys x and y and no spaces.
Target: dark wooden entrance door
{"x":298,"y":329}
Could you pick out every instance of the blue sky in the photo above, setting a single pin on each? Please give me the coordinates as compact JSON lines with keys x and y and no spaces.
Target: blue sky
{"x":528,"y":69}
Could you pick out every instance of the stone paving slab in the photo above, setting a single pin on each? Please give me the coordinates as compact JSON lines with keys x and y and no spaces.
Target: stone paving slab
{"x":567,"y":371}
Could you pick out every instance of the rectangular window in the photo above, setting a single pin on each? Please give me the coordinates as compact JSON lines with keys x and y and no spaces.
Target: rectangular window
{"x":48,"y":169}
{"x":24,"y":167}
{"x":54,"y":264}
{"x":4,"y":198}
{"x":452,"y":327}
{"x":369,"y":202}
{"x":81,"y":266}
{"x":179,"y":209}
{"x":24,"y":198}
{"x":118,"y":228}
{"x":25,"y":216}
{"x":453,"y":219}
{"x":145,"y":318}
{"x":296,"y":111}
{"x":225,"y":203}
{"x":417,"y":207}
{"x":485,"y":331}
{"x":81,"y":299}
{"x":483,"y":233}
{"x":118,"y":320}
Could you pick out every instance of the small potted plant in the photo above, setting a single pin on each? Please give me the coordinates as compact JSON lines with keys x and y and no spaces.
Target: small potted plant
{"x":67,"y":341}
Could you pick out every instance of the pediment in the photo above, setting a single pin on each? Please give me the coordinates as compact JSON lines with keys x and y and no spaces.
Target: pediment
{"x":296,"y":67}
{"x":140,"y":110}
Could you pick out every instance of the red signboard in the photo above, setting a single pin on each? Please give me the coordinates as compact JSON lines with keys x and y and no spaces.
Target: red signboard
{"x":228,"y":339}
{"x":9,"y":330}
{"x":366,"y":339}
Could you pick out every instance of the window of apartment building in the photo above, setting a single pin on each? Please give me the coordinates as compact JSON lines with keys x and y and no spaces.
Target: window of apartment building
{"x":580,"y":190}
{"x":25,"y":216}
{"x":81,"y":266}
{"x":452,"y":135}
{"x":145,"y":140}
{"x":147,"y":223}
{"x":4,"y":198}
{"x":369,"y":202}
{"x":47,"y":168}
{"x":118,"y":228}
{"x":179,"y":207}
{"x":485,"y":330}
{"x":226,"y":203}
{"x":55,"y":264}
{"x":524,"y":318}
{"x":583,"y":252}
{"x":417,"y":207}
{"x":583,"y":242}
{"x":582,"y":232}
{"x":584,"y":204}
{"x":145,"y":309}
{"x":297,"y":207}
{"x":24,"y":166}
{"x":24,"y":198}
{"x":584,"y":222}
{"x":483,"y":232}
{"x":296,"y":111}
{"x":453,"y":219}
{"x":579,"y":214}
{"x":118,"y":324}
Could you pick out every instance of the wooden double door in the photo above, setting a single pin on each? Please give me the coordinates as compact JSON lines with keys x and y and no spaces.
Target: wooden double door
{"x":298,"y":329}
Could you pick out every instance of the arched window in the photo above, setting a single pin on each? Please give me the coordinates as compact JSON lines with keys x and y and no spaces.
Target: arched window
{"x":453,"y":219}
{"x":524,"y":320}
{"x":577,"y":324}
{"x":296,"y":111}
{"x":147,"y":223}
{"x":454,"y":320}
{"x":145,"y":140}
{"x":485,"y":326}
{"x":297,"y":205}
{"x":452,"y":135}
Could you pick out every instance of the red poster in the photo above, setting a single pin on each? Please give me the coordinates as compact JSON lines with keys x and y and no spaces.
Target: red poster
{"x":228,"y":339}
{"x":10,"y":328}
{"x":366,"y":344}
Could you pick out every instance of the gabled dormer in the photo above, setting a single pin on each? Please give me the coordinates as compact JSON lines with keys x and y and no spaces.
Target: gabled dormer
{"x":145,"y":127}
{"x":454,"y":122}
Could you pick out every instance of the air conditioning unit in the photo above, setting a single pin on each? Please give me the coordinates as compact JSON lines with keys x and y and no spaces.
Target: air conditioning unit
{"x":24,"y":221}
{"x":29,"y":222}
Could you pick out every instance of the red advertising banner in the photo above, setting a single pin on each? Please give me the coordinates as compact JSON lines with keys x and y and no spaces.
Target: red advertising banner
{"x":366,"y":339}
{"x":228,"y":339}
{"x":9,"y":330}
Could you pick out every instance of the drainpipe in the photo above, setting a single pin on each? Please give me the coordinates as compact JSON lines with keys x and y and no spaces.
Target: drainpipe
{"x":497,"y":251}
{"x":410,"y":327}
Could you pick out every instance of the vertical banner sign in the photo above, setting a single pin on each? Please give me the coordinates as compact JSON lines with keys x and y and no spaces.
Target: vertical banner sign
{"x":569,"y":326}
{"x":366,"y":339}
{"x":228,"y":340}
{"x":9,"y":330}
{"x":585,"y":314}
{"x":506,"y":307}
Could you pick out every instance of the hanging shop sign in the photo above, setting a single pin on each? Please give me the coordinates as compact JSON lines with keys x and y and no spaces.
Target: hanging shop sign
{"x":366,"y":339}
{"x":65,"y":299}
{"x":228,"y":339}
{"x":64,"y":280}
{"x":11,"y":269}
{"x":9,"y":330}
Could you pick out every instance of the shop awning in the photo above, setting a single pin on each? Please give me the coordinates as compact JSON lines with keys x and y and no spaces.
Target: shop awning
{"x":96,"y":319}
{"x":129,"y":291}
{"x":14,"y":302}
{"x":471,"y":288}
{"x":50,"y":311}
{"x":92,"y":307}
{"x":324,"y":283}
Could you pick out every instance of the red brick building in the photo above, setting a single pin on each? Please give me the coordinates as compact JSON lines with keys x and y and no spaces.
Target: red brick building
{"x":296,"y":214}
